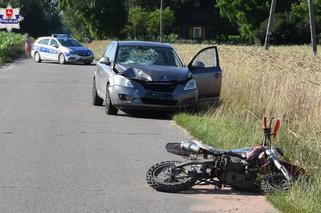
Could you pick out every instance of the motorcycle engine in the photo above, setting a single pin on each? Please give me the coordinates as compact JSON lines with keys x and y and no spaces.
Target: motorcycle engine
{"x":236,"y":177}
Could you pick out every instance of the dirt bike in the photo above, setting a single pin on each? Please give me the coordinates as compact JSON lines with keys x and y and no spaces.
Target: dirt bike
{"x":246,"y":169}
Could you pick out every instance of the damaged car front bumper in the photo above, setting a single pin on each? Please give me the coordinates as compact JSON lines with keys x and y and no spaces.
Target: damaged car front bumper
{"x":153,"y":95}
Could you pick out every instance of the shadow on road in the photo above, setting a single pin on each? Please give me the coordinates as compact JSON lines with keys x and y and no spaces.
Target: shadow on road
{"x":68,"y":64}
{"x":224,"y":191}
{"x":148,"y":114}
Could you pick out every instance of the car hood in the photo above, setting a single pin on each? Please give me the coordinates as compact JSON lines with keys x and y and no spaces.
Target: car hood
{"x":154,"y":73}
{"x":79,"y":48}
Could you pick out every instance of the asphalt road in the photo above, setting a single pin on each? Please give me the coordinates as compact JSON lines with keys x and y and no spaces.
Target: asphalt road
{"x":59,"y":153}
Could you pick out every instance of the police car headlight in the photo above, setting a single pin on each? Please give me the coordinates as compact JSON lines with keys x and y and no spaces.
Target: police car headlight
{"x":191,"y":84}
{"x":122,"y":81}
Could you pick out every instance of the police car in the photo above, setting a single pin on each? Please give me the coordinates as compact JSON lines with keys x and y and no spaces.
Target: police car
{"x":61,"y":48}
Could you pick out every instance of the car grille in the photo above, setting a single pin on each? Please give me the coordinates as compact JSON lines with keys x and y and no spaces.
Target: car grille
{"x":159,"y":102}
{"x":83,"y":53}
{"x":160,"y":87}
{"x":158,"y":99}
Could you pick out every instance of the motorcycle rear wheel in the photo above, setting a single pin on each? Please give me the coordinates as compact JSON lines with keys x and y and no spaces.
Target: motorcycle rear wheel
{"x":275,"y":182}
{"x":162,"y":178}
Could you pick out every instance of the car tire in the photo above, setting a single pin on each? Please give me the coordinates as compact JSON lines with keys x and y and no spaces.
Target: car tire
{"x":61,"y":58}
{"x":88,"y":63}
{"x":109,"y":108}
{"x":37,"y":57}
{"x":97,"y":101}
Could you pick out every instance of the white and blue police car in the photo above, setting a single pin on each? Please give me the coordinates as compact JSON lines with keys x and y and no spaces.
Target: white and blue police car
{"x":61,"y":48}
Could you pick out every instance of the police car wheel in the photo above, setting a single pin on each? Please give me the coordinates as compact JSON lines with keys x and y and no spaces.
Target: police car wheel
{"x":37,"y":57}
{"x":62,"y":59}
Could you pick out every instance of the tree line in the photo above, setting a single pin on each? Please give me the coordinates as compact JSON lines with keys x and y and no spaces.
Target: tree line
{"x":100,"y":19}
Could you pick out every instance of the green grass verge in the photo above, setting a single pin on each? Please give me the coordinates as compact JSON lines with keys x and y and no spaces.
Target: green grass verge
{"x":228,"y":131}
{"x":11,"y":46}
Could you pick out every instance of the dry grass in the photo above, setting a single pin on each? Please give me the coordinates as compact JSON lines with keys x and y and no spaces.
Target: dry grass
{"x":285,"y":81}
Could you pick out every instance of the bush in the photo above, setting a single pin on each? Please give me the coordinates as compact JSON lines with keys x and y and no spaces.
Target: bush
{"x":11,"y":45}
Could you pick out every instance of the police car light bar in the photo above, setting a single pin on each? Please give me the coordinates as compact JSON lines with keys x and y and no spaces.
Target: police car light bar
{"x":60,"y":35}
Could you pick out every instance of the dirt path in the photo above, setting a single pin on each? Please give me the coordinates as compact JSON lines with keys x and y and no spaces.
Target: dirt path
{"x":208,"y":200}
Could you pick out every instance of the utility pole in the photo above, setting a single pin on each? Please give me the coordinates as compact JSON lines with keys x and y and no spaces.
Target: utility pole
{"x":312,"y":27}
{"x":161,"y":21}
{"x":270,"y":25}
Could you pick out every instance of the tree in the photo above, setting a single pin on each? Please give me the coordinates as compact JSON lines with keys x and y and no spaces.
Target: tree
{"x":153,"y":21}
{"x":292,"y":27}
{"x":97,"y":18}
{"x":250,"y":14}
{"x":137,"y":18}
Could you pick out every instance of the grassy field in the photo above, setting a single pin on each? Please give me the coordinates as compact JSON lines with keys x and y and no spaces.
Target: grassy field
{"x":11,"y":46}
{"x":284,"y":82}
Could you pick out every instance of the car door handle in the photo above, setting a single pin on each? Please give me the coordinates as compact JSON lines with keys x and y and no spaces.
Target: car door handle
{"x":217,"y":75}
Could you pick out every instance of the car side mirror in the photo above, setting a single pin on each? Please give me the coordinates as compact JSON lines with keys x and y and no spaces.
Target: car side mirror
{"x":105,"y":60}
{"x":198,"y":65}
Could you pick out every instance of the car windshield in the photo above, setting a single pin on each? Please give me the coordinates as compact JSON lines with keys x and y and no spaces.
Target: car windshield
{"x":145,"y":55}
{"x":67,"y":42}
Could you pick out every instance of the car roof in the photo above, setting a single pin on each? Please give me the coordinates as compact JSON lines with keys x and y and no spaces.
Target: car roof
{"x":48,"y":37}
{"x":143,"y":43}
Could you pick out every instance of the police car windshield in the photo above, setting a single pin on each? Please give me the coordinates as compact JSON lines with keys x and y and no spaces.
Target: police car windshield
{"x":69,"y":43}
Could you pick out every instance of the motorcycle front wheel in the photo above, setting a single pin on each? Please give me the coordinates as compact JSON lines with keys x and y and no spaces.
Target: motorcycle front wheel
{"x":276,"y":182}
{"x":163,"y":177}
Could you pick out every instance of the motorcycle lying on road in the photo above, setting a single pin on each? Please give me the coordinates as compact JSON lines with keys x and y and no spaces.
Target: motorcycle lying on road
{"x":246,"y":169}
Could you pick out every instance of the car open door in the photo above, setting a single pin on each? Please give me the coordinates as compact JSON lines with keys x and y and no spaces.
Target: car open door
{"x":207,"y":73}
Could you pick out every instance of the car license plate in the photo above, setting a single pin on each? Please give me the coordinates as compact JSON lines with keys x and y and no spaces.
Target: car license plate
{"x":159,"y":96}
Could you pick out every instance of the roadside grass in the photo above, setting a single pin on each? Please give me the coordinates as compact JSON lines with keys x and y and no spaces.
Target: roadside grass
{"x":11,"y":46}
{"x":284,"y":82}
{"x":229,"y":132}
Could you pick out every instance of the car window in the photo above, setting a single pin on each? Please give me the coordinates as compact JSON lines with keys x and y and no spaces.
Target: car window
{"x":207,"y":57}
{"x":107,"y":51}
{"x":69,"y":42}
{"x":112,"y":52}
{"x":44,"y":41}
{"x":146,"y":55}
{"x":53,"y":42}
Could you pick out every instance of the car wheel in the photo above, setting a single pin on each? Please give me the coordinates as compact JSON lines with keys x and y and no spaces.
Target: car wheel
{"x":88,"y":63}
{"x":97,"y":101}
{"x":37,"y":57}
{"x":109,"y":108}
{"x":61,"y":58}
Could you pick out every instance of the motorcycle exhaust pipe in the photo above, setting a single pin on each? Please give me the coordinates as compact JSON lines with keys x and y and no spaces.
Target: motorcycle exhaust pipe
{"x":190,"y":146}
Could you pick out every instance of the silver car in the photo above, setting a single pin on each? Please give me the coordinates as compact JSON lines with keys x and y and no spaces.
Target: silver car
{"x":150,"y":75}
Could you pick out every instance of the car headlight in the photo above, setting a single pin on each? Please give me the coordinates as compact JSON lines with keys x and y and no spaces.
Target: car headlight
{"x":72,"y":52}
{"x":144,"y":76}
{"x":191,"y":84}
{"x":122,"y":81}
